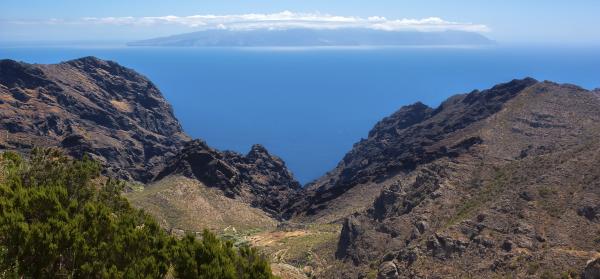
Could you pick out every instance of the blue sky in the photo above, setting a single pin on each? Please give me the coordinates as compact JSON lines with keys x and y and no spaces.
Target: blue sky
{"x":510,"y":21}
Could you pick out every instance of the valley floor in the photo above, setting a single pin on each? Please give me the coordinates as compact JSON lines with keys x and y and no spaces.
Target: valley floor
{"x":183,"y":205}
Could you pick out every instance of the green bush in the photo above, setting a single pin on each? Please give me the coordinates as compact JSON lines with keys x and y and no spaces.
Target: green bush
{"x":60,"y":218}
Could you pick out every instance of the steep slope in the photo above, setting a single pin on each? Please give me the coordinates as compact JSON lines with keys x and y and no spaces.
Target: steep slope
{"x":258,"y":178}
{"x":503,"y":182}
{"x":89,"y":106}
{"x":181,"y":203}
{"x":498,"y":183}
{"x":412,"y":136}
{"x":98,"y":108}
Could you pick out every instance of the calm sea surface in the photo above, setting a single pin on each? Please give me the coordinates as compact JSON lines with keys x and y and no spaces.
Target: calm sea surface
{"x":309,"y":106}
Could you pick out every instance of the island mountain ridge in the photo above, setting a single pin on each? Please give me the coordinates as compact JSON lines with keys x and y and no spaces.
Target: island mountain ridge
{"x":299,"y":37}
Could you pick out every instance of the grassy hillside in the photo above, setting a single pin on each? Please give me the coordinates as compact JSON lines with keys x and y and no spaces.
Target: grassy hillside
{"x":181,"y":203}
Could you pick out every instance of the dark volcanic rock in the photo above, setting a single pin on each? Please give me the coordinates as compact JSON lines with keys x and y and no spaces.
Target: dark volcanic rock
{"x":351,"y":230}
{"x":387,"y":270}
{"x":89,"y":106}
{"x":498,"y":183}
{"x":412,"y":136}
{"x":257,"y":178}
{"x":592,"y":270}
{"x":592,"y":213}
{"x":444,"y":247}
{"x":100,"y":109}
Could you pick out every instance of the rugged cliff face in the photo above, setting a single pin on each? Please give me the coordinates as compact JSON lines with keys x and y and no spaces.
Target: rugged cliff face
{"x":257,"y":178}
{"x":98,"y":108}
{"x":89,"y":106}
{"x":502,"y":182}
{"x":412,"y":136}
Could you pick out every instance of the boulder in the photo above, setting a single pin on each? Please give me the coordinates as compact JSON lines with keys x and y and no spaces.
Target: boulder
{"x":592,"y":270}
{"x":387,"y":270}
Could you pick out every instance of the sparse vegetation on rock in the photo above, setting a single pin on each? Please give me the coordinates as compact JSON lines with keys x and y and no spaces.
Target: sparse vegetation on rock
{"x":519,"y":201}
{"x":499,"y":183}
{"x":92,"y":107}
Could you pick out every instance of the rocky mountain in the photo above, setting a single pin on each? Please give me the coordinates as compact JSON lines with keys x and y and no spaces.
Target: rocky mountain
{"x":98,"y":108}
{"x":396,"y":144}
{"x":495,"y":183}
{"x":303,"y":37}
{"x":257,"y":178}
{"x":503,"y":182}
{"x":89,"y":106}
{"x":412,"y":136}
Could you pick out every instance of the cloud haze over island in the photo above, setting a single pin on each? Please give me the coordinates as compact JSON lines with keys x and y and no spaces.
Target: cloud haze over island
{"x":153,"y":26}
{"x":504,"y":21}
{"x":305,"y":29}
{"x":281,"y":20}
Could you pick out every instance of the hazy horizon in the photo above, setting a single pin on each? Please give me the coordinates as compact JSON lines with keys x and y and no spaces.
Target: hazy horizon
{"x":305,"y":85}
{"x":508,"y":22}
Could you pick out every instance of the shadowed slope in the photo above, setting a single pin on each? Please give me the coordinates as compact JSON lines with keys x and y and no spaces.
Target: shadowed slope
{"x":89,"y":106}
{"x":504,"y":183}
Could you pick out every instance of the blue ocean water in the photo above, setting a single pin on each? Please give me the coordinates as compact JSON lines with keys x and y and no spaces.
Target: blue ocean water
{"x":309,"y":106}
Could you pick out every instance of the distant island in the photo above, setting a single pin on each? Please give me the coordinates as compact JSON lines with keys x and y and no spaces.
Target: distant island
{"x":305,"y":37}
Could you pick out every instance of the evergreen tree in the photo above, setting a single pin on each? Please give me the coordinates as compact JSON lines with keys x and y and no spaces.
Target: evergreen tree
{"x":60,"y":218}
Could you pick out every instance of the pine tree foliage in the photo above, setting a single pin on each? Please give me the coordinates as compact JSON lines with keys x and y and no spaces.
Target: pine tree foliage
{"x":59,"y":218}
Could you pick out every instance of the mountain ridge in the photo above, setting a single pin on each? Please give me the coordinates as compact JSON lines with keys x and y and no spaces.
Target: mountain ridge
{"x":407,"y":142}
{"x":89,"y":106}
{"x":505,"y":205}
{"x":498,"y":182}
{"x":299,"y":37}
{"x":258,"y":178}
{"x":97,"y":108}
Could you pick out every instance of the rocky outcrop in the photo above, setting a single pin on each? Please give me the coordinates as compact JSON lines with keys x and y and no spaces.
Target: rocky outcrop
{"x":496,"y":183}
{"x":89,"y":106}
{"x":388,"y":270}
{"x":413,"y":136}
{"x":591,"y":212}
{"x":258,"y":178}
{"x":501,"y":182}
{"x":592,"y":270}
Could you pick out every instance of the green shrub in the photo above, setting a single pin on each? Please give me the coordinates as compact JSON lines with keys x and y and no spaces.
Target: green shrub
{"x":548,"y":275}
{"x":60,"y":218}
{"x":532,"y":268}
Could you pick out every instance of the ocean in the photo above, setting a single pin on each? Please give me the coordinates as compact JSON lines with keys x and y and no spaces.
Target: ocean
{"x":310,"y":105}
